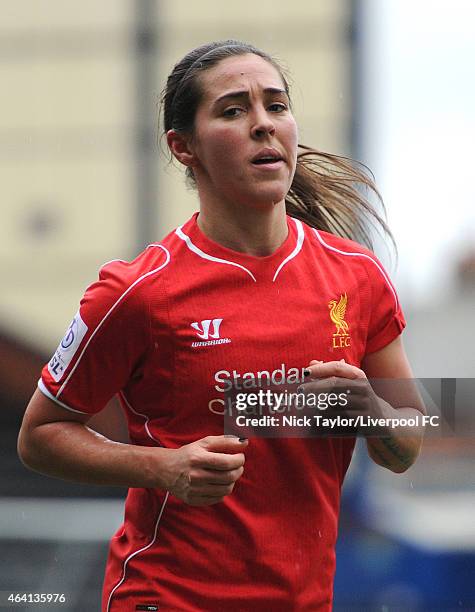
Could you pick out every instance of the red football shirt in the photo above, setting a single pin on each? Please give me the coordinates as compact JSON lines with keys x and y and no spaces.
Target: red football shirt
{"x":166,"y":332}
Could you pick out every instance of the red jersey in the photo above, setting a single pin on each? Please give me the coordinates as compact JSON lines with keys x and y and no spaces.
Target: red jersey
{"x":167,"y":332}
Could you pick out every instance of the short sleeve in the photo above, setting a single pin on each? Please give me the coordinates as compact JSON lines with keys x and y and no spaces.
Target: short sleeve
{"x":103,"y":346}
{"x":386,"y":320}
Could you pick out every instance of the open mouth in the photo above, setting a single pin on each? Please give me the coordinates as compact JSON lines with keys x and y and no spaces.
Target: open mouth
{"x":267,"y":160}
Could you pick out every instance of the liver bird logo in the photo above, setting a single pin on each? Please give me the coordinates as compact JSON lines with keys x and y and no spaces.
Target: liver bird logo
{"x":337,"y":315}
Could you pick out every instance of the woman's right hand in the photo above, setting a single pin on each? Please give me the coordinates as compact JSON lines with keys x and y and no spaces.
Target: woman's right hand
{"x":204,"y":472}
{"x":59,"y":443}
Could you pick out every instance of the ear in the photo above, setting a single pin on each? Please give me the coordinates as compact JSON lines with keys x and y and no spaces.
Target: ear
{"x":179,"y":145}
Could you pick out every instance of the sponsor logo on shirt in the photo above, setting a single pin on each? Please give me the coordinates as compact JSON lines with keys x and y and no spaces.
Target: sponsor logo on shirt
{"x":341,"y":338}
{"x":206,"y":329}
{"x":67,"y":347}
{"x":226,"y":380}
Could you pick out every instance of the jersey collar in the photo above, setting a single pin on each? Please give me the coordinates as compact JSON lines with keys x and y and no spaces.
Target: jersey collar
{"x":255,"y":267}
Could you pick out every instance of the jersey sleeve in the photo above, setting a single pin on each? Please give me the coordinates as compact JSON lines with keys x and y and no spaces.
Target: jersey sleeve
{"x":103,"y":346}
{"x":386,"y":320}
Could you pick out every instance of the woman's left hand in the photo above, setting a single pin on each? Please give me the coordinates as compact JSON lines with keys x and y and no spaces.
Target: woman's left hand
{"x":344,"y":380}
{"x":394,"y":445}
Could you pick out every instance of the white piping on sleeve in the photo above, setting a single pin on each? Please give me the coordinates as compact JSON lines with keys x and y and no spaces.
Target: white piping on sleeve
{"x":186,"y":239}
{"x":111,"y":309}
{"x":134,"y":554}
{"x":298,"y":246}
{"x":350,"y":254}
{"x":111,"y":261}
{"x":147,"y":419}
{"x":42,"y":387}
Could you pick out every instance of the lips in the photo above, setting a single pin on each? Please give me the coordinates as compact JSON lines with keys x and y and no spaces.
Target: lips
{"x":267,"y":156}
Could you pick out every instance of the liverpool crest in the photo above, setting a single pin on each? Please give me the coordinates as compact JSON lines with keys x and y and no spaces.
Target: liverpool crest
{"x":341,"y":337}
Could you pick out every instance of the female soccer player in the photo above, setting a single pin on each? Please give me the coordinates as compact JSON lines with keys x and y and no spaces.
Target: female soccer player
{"x":262,"y":283}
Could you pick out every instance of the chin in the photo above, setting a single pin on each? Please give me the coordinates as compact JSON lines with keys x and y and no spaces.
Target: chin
{"x":266,"y":197}
{"x":270,"y":199}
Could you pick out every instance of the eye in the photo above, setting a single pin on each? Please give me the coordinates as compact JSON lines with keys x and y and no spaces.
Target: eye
{"x":277,"y":107}
{"x":233,"y":111}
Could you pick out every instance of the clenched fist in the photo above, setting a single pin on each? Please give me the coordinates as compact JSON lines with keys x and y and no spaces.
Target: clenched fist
{"x":204,"y":472}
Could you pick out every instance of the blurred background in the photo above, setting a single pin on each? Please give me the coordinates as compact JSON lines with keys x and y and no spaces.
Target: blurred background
{"x":84,"y":179}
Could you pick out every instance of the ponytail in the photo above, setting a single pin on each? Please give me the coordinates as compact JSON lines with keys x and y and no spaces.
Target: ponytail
{"x":327,"y":193}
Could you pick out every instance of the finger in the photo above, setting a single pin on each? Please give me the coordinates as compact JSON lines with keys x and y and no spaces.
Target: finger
{"x":211,"y":490}
{"x":208,"y":495}
{"x":346,"y":393}
{"x":224,"y":444}
{"x":220,"y":461}
{"x":328,"y":385}
{"x":339,"y":369}
{"x":357,"y":386}
{"x":216,"y":477}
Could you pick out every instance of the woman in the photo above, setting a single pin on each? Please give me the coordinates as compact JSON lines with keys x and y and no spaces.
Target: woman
{"x":216,"y":523}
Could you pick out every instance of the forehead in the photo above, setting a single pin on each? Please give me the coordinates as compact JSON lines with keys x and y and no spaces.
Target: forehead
{"x":239,"y":72}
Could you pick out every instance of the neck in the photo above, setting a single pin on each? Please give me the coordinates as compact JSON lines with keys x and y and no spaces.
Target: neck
{"x":257,"y":232}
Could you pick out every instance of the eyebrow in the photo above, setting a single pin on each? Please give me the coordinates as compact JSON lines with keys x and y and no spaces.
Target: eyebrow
{"x":244,"y":93}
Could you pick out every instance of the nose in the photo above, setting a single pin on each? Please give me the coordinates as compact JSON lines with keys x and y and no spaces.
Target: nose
{"x":263,"y":125}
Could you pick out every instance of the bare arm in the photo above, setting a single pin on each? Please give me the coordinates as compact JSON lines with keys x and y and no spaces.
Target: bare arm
{"x":398,"y":447}
{"x":397,"y":450}
{"x":58,"y":443}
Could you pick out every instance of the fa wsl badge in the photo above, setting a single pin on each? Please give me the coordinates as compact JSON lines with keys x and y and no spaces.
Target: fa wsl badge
{"x":67,"y":347}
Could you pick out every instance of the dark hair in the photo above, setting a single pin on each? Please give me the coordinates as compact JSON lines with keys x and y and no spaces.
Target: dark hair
{"x":326,"y":191}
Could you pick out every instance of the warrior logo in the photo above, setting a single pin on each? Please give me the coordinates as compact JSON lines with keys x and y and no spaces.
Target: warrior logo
{"x":203,"y":329}
{"x":208,"y":330}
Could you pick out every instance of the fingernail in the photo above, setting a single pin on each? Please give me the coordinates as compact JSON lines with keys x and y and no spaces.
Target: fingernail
{"x":306,"y":372}
{"x":242,"y":439}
